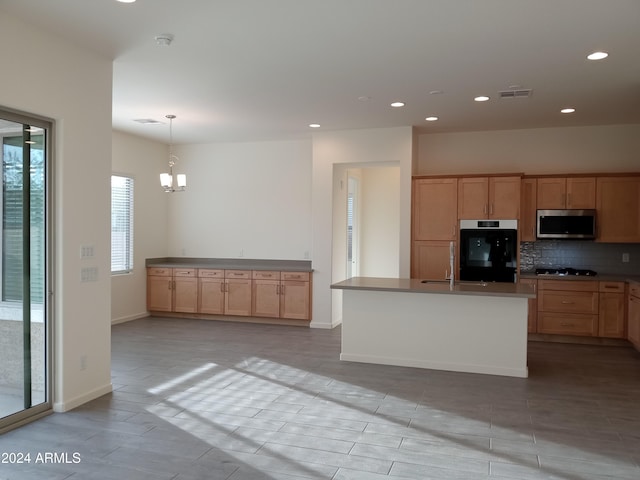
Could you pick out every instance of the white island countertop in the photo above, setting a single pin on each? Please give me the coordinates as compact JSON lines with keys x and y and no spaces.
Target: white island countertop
{"x":414,"y":285}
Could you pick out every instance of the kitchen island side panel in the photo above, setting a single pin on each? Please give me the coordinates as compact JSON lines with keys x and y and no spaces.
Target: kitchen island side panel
{"x":463,"y":333}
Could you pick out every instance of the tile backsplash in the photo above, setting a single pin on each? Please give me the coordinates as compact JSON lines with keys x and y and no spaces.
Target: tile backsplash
{"x":604,"y":258}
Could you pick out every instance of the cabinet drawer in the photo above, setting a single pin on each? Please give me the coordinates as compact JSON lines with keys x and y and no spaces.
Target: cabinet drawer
{"x":571,"y":285}
{"x":266,"y":275}
{"x":210,"y":273}
{"x":159,"y":272}
{"x":567,"y":324}
{"x":634,"y":289}
{"x":184,"y":272}
{"x":237,"y":274}
{"x":300,"y":276}
{"x":612,"y":287}
{"x":567,"y":302}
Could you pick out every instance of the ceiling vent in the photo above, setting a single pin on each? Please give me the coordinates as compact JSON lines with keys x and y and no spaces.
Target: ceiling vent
{"x":147,"y":121}
{"x":519,"y":93}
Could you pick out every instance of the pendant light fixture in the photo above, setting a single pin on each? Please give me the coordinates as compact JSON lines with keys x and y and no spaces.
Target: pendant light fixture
{"x":169,"y":181}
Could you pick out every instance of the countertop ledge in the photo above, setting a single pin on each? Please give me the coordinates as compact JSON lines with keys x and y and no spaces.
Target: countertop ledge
{"x":413,"y":285}
{"x":231,"y":264}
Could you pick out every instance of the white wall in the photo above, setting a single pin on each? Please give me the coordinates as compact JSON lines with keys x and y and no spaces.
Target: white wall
{"x":333,"y":154}
{"x":47,"y":76}
{"x":250,"y":200}
{"x":380,"y":222}
{"x":593,"y":149}
{"x":143,"y":160}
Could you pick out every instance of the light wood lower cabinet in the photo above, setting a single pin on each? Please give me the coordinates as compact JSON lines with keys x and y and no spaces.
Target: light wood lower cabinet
{"x":568,"y":307}
{"x":281,"y":295}
{"x":268,"y":294}
{"x":185,"y":290}
{"x":611,"y":319}
{"x":172,"y":290}
{"x":211,"y":291}
{"x":159,"y":289}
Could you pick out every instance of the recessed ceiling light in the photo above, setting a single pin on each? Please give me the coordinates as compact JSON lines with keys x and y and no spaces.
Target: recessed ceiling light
{"x":567,"y":110}
{"x":597,"y":55}
{"x":126,"y":1}
{"x":431,"y":119}
{"x":364,"y":98}
{"x":481,"y":98}
{"x":314,"y":125}
{"x":436,"y":92}
{"x":397,"y":104}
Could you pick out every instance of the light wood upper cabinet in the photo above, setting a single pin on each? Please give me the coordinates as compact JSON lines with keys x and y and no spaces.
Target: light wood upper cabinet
{"x":566,"y":192}
{"x":528,"y":210}
{"x":434,"y":207}
{"x":489,"y":197}
{"x":618,"y":209}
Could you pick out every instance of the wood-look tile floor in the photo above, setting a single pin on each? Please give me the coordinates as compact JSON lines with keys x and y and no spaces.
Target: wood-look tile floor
{"x":199,"y":399}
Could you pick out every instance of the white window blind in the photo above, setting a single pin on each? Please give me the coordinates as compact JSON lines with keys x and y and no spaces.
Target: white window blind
{"x":121,"y":224}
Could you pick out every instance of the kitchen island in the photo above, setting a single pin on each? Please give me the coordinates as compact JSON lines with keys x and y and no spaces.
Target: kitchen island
{"x":465,"y":327}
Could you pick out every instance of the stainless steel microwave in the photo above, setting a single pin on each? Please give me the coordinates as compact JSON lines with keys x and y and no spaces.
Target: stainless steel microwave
{"x":579,"y":224}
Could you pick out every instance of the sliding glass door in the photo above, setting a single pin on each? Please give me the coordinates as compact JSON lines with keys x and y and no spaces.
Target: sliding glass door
{"x":25,"y":337}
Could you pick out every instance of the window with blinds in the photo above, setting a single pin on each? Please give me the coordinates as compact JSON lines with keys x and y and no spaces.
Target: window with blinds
{"x":121,"y":224}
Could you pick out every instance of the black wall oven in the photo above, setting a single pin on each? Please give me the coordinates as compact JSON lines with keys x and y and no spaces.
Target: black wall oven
{"x":488,"y":250}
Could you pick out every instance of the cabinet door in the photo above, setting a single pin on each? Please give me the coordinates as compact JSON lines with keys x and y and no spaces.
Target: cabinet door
{"x":504,"y":197}
{"x":533,"y":306}
{"x":618,"y":206}
{"x":633,"y":333}
{"x":237,"y":298}
{"x":528,"y":210}
{"x":611,"y":322}
{"x":211,"y":295}
{"x":159,"y":293}
{"x":567,"y":324}
{"x":434,"y":208}
{"x":295,"y":300}
{"x":473,"y":198}
{"x":185,"y":294}
{"x":551,"y":193}
{"x":430,"y":260}
{"x":581,"y":192}
{"x":265,"y":298}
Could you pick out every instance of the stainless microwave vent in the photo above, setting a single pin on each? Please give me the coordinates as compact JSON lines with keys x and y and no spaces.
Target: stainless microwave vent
{"x":520,"y":93}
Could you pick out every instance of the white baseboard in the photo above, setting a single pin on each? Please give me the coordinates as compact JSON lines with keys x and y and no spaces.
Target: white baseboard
{"x":129,"y":318}
{"x":82,"y":399}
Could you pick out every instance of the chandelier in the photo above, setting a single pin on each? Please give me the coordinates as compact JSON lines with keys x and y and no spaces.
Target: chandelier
{"x":169,"y":181}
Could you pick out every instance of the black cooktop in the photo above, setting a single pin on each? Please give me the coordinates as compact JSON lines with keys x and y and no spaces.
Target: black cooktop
{"x":565,"y":271}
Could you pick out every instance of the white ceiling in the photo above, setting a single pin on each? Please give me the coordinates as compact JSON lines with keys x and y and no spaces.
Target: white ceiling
{"x":244,"y":70}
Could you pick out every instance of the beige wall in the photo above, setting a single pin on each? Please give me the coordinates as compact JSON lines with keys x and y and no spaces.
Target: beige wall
{"x":143,"y":160}
{"x":612,"y":148}
{"x":49,"y":77}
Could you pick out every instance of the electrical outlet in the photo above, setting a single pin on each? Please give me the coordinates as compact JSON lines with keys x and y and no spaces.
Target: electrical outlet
{"x":241,"y":253}
{"x":83,"y":362}
{"x":625,"y":258}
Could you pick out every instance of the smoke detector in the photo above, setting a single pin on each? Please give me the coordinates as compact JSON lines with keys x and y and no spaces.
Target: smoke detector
{"x":164,"y":39}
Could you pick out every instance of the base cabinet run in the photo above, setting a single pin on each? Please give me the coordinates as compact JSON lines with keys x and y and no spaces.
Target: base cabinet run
{"x":243,"y":293}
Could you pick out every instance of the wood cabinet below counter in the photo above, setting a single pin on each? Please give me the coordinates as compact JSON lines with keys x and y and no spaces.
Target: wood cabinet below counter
{"x":209,"y":292}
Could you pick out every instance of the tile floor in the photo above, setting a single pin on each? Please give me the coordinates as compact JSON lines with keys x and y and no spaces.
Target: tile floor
{"x":198,"y":399}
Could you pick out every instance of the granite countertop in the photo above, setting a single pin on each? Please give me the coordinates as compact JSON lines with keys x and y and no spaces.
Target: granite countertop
{"x":231,"y":264}
{"x":414,"y":285}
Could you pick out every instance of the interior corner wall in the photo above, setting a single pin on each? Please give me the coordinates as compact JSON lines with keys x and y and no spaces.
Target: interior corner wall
{"x":143,"y":160}
{"x":50,"y":77}
{"x":537,"y":151}
{"x":333,"y":151}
